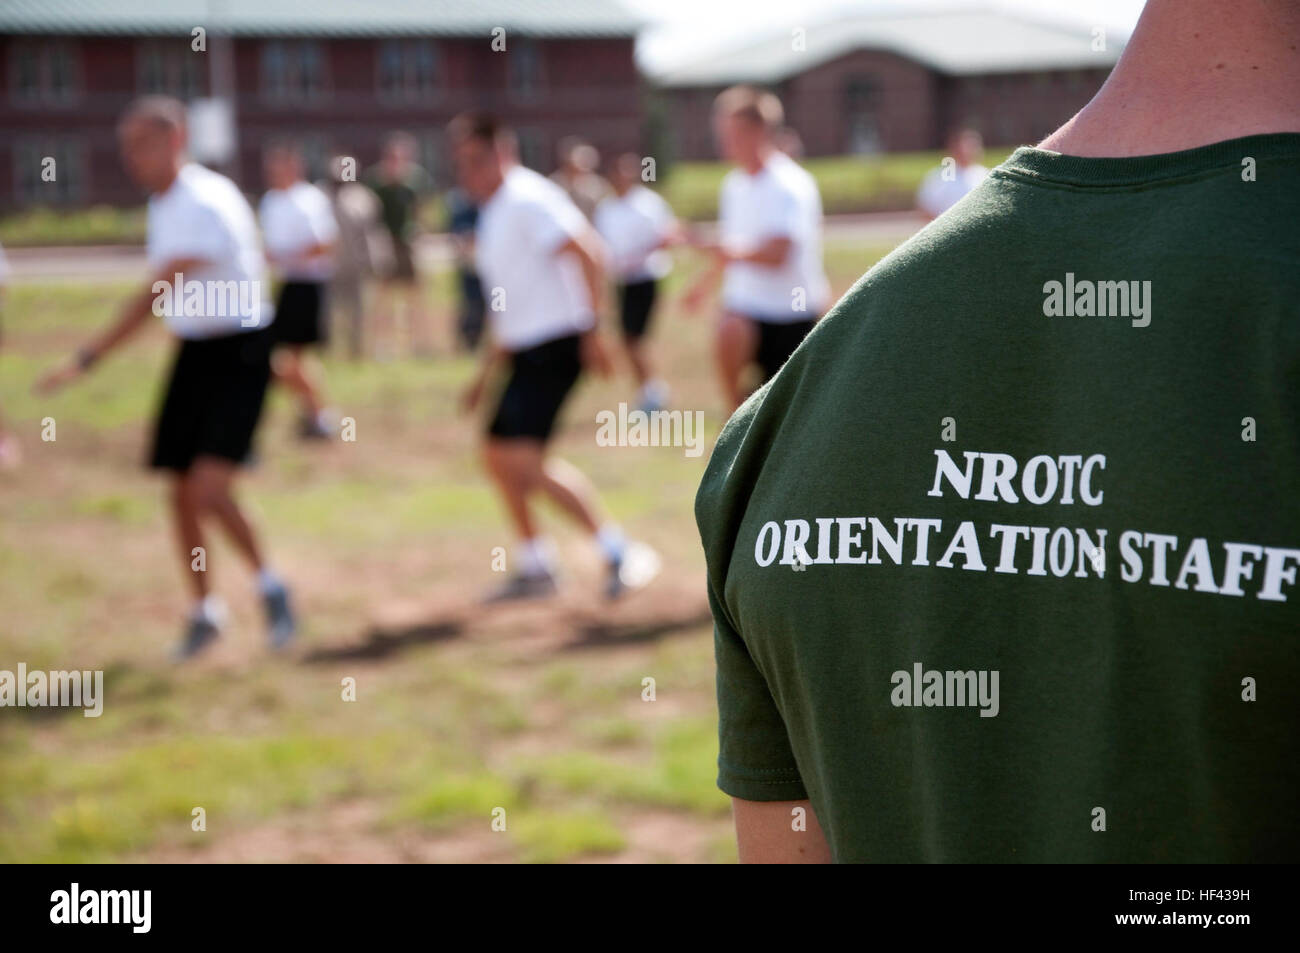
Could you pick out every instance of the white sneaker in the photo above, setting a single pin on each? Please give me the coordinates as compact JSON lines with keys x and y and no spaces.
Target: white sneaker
{"x":638,"y":565}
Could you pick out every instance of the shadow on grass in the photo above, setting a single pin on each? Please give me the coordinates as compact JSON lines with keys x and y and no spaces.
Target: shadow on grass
{"x":595,"y":634}
{"x":121,"y":683}
{"x":383,"y":642}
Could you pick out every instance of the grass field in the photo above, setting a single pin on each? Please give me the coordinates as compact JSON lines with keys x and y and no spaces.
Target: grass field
{"x":388,"y":542}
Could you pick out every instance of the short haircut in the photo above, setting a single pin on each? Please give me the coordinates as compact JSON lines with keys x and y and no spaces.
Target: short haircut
{"x":567,"y":148}
{"x":285,"y":147}
{"x":628,"y":163}
{"x":163,"y":112}
{"x":754,"y":105}
{"x":478,"y":126}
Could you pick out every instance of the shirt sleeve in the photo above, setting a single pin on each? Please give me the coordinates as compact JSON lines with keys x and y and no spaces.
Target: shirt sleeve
{"x":781,"y":216}
{"x":661,"y":213}
{"x":755,"y":761}
{"x":323,"y":227}
{"x":553,"y":223}
{"x":196,"y":233}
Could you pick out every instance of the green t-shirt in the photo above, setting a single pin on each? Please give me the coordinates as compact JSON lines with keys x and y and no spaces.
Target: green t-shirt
{"x":1000,"y":558}
{"x":399,"y":199}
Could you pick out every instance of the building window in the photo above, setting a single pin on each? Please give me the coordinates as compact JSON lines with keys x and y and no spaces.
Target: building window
{"x":524,"y":68}
{"x":48,"y":172}
{"x":44,"y":73}
{"x":408,"y":70}
{"x":169,"y":69}
{"x":293,"y":71}
{"x":862,"y":127}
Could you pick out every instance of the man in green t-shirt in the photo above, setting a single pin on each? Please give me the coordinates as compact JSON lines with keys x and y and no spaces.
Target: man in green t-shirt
{"x":401,"y":185}
{"x":1003,"y":563}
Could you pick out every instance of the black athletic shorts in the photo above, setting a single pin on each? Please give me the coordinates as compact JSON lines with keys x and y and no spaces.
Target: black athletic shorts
{"x":300,"y":313}
{"x":213,"y":400}
{"x":777,"y":341}
{"x":540,"y":379}
{"x":636,"y":300}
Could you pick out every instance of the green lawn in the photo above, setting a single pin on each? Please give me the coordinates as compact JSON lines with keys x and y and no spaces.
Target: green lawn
{"x":459,"y":715}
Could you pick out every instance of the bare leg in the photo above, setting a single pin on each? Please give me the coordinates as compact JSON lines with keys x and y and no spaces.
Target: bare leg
{"x":736,"y":345}
{"x":211,"y":480}
{"x":572,"y":492}
{"x":419,"y":326}
{"x":638,"y":353}
{"x":189,"y":534}
{"x":347,"y":295}
{"x":295,"y":369}
{"x":515,"y":466}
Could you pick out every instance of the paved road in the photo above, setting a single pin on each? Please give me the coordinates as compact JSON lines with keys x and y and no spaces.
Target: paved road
{"x":100,"y":263}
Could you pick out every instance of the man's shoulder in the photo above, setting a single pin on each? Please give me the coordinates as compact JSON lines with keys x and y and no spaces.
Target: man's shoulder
{"x":733,"y":179}
{"x":197,"y":191}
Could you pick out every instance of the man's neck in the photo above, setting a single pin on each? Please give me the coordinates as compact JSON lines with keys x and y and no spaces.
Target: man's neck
{"x":175,"y":174}
{"x":756,"y":164}
{"x":1192,"y":74}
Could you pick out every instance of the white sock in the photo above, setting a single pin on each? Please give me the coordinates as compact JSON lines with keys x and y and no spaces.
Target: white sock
{"x":210,"y":609}
{"x":611,"y":542}
{"x":534,"y":557}
{"x":654,"y":392}
{"x":268,"y":582}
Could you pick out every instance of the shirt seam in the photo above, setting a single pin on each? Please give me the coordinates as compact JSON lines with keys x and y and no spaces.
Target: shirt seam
{"x":1035,"y":178}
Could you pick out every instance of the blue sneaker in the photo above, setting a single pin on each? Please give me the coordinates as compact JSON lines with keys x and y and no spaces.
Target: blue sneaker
{"x":199,"y":634}
{"x":519,"y":588}
{"x":280,"y":622}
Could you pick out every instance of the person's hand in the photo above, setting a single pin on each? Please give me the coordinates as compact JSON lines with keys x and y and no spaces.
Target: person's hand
{"x":595,"y":356}
{"x":56,"y":378}
{"x":719,"y":254}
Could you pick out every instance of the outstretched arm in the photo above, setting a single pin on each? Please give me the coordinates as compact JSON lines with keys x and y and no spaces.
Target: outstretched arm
{"x":132,"y":317}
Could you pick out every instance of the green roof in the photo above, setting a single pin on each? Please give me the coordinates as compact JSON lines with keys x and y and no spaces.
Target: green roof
{"x":340,"y":18}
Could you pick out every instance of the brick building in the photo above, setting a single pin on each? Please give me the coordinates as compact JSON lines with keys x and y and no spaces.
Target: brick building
{"x":339,"y":75}
{"x":899,"y":82}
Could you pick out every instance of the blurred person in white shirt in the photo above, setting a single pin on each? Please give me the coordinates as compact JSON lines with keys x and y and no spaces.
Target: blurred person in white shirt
{"x":542,"y":268}
{"x":958,"y":174}
{"x":207,"y":284}
{"x":301,"y":235}
{"x":637,"y":226}
{"x":768,"y":255}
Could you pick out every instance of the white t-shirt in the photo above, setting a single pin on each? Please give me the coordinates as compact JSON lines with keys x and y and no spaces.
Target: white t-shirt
{"x":938,"y":194}
{"x":294,"y":220}
{"x":204,"y":216}
{"x":633,"y":226}
{"x":533,"y":294}
{"x":781,"y":199}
